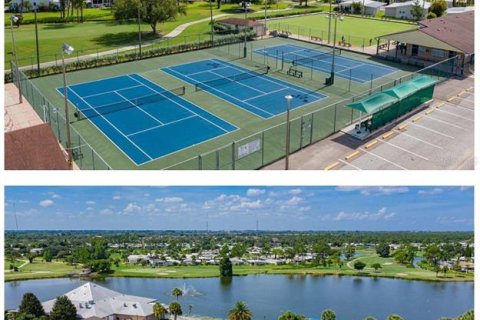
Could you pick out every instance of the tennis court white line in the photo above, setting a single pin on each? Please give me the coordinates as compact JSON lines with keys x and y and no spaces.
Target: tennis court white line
{"x":203,"y":71}
{"x":386,"y":160}
{"x":162,"y":125}
{"x":221,"y":92}
{"x":455,"y":115}
{"x":180,"y":104}
{"x":434,"y":131}
{"x":405,"y":150}
{"x":280,"y":82}
{"x":446,"y":122}
{"x":138,"y":107}
{"x":265,"y":94}
{"x":238,"y":82}
{"x":113,"y":126}
{"x":415,"y":138}
{"x":349,"y":164}
{"x":105,"y":92}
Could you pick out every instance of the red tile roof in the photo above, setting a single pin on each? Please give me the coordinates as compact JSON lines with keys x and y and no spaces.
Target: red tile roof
{"x":33,"y":148}
{"x":456,"y":30}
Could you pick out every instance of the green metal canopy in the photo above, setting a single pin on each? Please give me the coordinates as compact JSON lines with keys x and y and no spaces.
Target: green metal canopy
{"x":403,"y":90}
{"x":423,"y":82}
{"x":373,"y":103}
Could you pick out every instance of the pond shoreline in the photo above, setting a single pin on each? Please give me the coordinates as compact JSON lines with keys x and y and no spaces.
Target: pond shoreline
{"x":347,"y":273}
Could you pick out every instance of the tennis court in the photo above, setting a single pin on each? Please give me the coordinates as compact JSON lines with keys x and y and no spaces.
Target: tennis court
{"x":347,"y":68}
{"x":142,"y":119}
{"x":253,"y":91}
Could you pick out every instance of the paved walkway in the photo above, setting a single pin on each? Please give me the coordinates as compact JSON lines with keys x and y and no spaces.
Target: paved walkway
{"x":172,"y":34}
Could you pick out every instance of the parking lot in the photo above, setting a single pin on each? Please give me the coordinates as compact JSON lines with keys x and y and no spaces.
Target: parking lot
{"x":441,"y":136}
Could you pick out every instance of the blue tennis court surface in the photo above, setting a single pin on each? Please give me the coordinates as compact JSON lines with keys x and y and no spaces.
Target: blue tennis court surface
{"x":142,"y":119}
{"x":257,"y":93}
{"x":359,"y":71}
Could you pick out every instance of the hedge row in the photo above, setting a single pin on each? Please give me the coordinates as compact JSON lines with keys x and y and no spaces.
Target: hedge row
{"x":128,"y":57}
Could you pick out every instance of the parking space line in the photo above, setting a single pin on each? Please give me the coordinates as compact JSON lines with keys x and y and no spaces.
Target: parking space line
{"x":455,"y":115}
{"x":406,"y":150}
{"x":434,"y":131}
{"x":332,"y":166}
{"x":456,"y":105}
{"x":386,"y":160}
{"x":446,"y":122}
{"x":426,"y":142}
{"x":349,"y":164}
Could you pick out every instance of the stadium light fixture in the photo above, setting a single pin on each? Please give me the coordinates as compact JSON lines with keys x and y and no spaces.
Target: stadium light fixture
{"x":66,"y":48}
{"x":287,"y":135}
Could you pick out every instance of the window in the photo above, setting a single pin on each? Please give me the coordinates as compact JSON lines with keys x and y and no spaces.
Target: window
{"x":422,"y":50}
{"x":438,"y":53}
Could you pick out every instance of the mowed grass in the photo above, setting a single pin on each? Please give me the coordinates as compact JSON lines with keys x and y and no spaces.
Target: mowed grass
{"x":17,"y":263}
{"x":356,"y":30}
{"x":102,"y":32}
{"x":39,"y":270}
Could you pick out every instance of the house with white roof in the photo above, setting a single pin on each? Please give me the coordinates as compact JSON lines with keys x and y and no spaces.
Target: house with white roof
{"x":371,"y":7}
{"x":96,"y":302}
{"x":403,"y":10}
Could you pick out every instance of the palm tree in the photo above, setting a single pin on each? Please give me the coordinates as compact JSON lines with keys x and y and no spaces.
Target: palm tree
{"x":177,"y":292}
{"x":159,"y":311}
{"x":240,"y":312}
{"x":289,"y":315}
{"x":328,"y":315}
{"x":176,"y":309}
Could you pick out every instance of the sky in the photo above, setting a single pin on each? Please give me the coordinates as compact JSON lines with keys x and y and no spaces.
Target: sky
{"x":240,"y":208}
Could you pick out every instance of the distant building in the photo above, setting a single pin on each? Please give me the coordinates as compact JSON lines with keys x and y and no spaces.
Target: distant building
{"x":96,"y":302}
{"x":238,"y":25}
{"x":403,"y":10}
{"x":36,"y":251}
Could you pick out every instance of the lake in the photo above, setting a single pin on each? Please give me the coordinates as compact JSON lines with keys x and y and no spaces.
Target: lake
{"x":269,"y":295}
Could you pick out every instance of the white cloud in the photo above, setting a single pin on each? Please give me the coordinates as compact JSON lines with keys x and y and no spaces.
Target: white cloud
{"x":305,"y":209}
{"x":295,"y":191}
{"x":54,"y":195}
{"x":132,"y":208}
{"x":116,"y":198}
{"x":430,"y":192}
{"x":169,"y":200}
{"x":46,"y":203}
{"x":373,"y":191}
{"x":90,"y":203}
{"x":381,"y":214}
{"x":255,"y":192}
{"x":106,"y":212}
{"x":89,"y":209}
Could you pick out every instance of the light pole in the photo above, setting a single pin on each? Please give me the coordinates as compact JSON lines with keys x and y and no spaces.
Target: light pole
{"x":329,"y":20}
{"x":211,"y":22}
{"x":36,"y":37}
{"x":265,"y":20}
{"x":139,"y":32}
{"x":287,"y":136}
{"x":332,"y":72}
{"x":66,"y":48}
{"x":245,"y":30}
{"x":14,"y":19}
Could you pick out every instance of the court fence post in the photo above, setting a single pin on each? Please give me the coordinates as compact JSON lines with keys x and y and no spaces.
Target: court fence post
{"x":263,"y":147}
{"x":276,"y":59}
{"x":311,"y":127}
{"x":93,"y":160}
{"x":335,"y":119}
{"x":264,"y":55}
{"x":371,"y":83}
{"x":233,"y":155}
{"x":311,"y":70}
{"x":350,"y":79}
{"x":217,"y":159}
{"x":282,"y":61}
{"x":199,"y":162}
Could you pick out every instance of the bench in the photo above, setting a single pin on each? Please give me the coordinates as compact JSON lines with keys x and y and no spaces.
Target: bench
{"x":314,"y":38}
{"x":294,"y":72}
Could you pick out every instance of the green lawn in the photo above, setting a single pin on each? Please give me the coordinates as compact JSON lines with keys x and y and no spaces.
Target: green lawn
{"x":356,"y":30}
{"x":39,"y":269}
{"x":17,"y":263}
{"x":101,"y":34}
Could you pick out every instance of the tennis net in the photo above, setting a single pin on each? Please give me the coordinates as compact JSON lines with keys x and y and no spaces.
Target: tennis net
{"x":234,"y":78}
{"x":90,"y":112}
{"x":307,"y":61}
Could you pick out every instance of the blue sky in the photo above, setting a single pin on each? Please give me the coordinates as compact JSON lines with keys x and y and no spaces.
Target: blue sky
{"x":239,"y":207}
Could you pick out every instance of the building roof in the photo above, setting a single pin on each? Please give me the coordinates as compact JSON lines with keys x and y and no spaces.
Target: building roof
{"x":441,"y":33}
{"x":457,"y":30}
{"x":374,"y":4}
{"x":92,"y":300}
{"x":33,"y":148}
{"x":241,"y":22}
{"x":407,"y":4}
{"x":456,"y":10}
